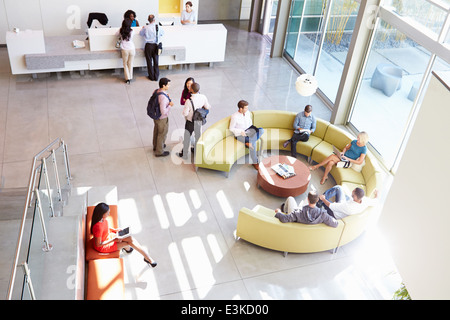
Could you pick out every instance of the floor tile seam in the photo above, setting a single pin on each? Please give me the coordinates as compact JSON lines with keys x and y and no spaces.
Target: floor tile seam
{"x":292,"y":268}
{"x":148,"y":155}
{"x":194,"y":288}
{"x":5,"y":123}
{"x":134,"y":115}
{"x":49,"y":139}
{"x":220,"y":228}
{"x":94,"y":118}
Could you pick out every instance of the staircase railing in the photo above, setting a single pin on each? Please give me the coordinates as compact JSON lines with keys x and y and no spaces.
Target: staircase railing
{"x":49,"y":186}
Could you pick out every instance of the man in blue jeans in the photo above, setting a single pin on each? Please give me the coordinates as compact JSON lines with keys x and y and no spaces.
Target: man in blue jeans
{"x":241,"y":125}
{"x":344,"y":205}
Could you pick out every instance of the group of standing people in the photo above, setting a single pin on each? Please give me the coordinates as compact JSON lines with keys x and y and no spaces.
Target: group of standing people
{"x":152,"y":34}
{"x":191,"y":100}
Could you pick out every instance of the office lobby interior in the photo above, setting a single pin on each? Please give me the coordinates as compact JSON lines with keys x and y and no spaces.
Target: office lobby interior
{"x":186,"y":217}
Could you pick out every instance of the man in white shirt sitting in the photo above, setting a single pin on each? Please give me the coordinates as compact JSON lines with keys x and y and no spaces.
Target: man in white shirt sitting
{"x":196,"y":101}
{"x":239,"y":123}
{"x":345,"y":205}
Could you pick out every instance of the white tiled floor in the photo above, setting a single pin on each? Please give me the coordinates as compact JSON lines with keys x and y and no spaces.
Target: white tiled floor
{"x":185,"y":219}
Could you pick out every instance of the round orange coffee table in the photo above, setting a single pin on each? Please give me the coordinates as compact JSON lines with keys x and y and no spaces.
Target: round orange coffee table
{"x":274,"y":184}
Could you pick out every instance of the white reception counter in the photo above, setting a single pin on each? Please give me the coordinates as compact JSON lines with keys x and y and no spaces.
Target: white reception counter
{"x":30,"y":52}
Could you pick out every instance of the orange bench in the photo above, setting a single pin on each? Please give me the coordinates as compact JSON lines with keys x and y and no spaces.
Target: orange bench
{"x":105,"y":280}
{"x":105,"y":271}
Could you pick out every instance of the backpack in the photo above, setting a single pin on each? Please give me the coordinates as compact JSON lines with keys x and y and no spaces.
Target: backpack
{"x":153,"y":109}
{"x":199,"y":114}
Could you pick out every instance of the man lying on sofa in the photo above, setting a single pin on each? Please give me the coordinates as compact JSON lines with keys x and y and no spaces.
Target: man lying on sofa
{"x":308,"y":214}
{"x":344,"y":205}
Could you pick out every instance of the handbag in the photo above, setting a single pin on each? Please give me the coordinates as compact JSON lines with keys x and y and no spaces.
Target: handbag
{"x":199,"y":114}
{"x":118,"y":42}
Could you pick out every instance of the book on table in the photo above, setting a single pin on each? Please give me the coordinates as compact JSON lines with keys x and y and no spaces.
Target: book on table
{"x":284,"y":170}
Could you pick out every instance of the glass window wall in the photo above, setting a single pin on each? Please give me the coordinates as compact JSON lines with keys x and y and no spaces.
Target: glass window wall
{"x":318,"y":37}
{"x":395,"y":67}
{"x":395,"y":71}
{"x":338,"y":35}
{"x":426,"y":13}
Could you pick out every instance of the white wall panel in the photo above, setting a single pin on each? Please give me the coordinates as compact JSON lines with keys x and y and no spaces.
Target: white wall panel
{"x":23,"y":14}
{"x":415,"y":216}
{"x":59,"y":15}
{"x":3,"y":22}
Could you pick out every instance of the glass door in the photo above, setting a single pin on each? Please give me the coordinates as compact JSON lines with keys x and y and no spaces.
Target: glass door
{"x":268,"y":18}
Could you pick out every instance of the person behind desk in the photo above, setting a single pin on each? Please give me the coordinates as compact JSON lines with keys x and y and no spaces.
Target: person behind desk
{"x":152,"y":37}
{"x":239,"y":123}
{"x":106,"y":239}
{"x":127,"y":48}
{"x":189,"y":16}
{"x":130,"y":14}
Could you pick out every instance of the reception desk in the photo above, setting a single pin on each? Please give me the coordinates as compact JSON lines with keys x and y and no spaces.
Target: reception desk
{"x":30,"y":52}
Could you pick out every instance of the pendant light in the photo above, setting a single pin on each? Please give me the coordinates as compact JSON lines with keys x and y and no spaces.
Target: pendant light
{"x":306,"y":85}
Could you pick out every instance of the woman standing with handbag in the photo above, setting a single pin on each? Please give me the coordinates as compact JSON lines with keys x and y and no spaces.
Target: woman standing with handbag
{"x":127,"y":48}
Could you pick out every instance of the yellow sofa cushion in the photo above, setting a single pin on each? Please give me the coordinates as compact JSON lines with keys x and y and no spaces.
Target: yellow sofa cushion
{"x":227,"y":150}
{"x":337,"y":137}
{"x":273,"y":119}
{"x":273,"y":138}
{"x":259,"y":226}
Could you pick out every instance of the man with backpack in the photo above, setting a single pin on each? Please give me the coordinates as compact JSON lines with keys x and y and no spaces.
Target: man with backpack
{"x":196,"y":101}
{"x":158,"y":109}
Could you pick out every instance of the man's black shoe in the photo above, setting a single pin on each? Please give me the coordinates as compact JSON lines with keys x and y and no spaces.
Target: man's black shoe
{"x":164,"y":154}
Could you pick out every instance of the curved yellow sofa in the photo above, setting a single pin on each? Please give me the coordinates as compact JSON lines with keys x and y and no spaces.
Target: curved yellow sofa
{"x":217,"y":149}
{"x":259,"y":226}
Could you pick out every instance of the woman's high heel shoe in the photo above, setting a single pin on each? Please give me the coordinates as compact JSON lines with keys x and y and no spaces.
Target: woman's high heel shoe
{"x":128,"y":251}
{"x":154,"y":264}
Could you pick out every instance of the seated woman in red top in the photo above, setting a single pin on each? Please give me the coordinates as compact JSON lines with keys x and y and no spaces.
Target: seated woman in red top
{"x":106,"y":238}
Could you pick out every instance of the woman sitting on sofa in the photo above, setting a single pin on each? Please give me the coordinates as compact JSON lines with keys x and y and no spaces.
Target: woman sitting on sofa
{"x":106,"y":238}
{"x":354,"y":152}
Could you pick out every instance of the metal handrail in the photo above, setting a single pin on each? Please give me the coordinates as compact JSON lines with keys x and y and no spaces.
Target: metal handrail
{"x":30,"y":191}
